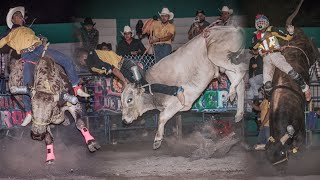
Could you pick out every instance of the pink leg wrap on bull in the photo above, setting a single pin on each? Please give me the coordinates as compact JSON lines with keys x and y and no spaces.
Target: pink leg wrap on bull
{"x":86,"y":134}
{"x":50,"y":154}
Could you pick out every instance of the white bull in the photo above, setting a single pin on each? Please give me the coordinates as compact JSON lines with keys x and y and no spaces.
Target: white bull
{"x":192,"y":66}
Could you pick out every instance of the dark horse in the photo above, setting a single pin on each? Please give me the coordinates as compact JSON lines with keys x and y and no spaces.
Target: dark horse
{"x":48,"y":108}
{"x":287,"y":103}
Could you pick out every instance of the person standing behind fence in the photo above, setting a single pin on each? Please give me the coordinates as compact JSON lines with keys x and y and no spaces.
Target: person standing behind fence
{"x":198,"y":25}
{"x":255,"y":76}
{"x":88,"y":35}
{"x":129,"y":45}
{"x":163,"y":33}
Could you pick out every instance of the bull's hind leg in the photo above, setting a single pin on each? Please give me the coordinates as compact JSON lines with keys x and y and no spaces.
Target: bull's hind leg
{"x":92,"y":144}
{"x":49,"y":142}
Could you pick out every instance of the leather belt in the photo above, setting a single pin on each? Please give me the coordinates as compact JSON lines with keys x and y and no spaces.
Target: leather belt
{"x":31,"y":48}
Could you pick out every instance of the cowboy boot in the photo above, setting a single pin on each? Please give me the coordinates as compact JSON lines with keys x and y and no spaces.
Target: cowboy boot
{"x":303,"y":85}
{"x":27,"y":119}
{"x":79,"y":92}
{"x":180,"y":95}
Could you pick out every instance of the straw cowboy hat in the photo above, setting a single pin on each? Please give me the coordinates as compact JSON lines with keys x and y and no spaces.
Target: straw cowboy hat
{"x":11,"y":12}
{"x":127,"y":29}
{"x":165,"y":11}
{"x":226,"y":9}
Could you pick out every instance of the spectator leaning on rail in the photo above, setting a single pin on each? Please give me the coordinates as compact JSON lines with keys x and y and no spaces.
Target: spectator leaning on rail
{"x":25,"y":42}
{"x":255,"y":76}
{"x":129,"y":45}
{"x":88,"y":35}
{"x":265,"y":43}
{"x":163,"y":32}
{"x":198,"y":25}
{"x":107,"y":62}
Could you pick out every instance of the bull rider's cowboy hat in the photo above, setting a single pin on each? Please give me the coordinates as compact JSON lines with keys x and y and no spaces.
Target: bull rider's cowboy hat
{"x":11,"y":12}
{"x":87,"y":21}
{"x":226,"y":9}
{"x":165,"y":11}
{"x":127,"y":29}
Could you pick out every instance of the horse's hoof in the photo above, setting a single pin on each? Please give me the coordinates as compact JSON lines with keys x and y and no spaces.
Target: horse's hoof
{"x":93,"y":146}
{"x":50,"y":162}
{"x":156,"y":144}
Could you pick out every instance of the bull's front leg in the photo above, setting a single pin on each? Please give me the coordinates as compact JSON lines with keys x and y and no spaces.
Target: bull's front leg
{"x":90,"y":141}
{"x":240,"y":101}
{"x":49,"y":142}
{"x":167,"y":114}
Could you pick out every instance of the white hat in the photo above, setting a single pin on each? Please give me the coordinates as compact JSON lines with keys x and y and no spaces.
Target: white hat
{"x":165,"y":11}
{"x":11,"y":12}
{"x":127,"y":29}
{"x":226,"y":9}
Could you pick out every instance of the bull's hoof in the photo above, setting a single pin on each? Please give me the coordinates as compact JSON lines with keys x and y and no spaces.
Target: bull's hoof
{"x":93,"y":146}
{"x":238,"y":118}
{"x":50,"y":162}
{"x":232,"y":97}
{"x":156,"y":144}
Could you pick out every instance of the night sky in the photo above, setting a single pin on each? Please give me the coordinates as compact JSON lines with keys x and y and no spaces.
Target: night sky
{"x":62,"y":11}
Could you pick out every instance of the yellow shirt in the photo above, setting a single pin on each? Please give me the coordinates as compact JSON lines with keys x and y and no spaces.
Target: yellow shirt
{"x":162,"y":30}
{"x":264,"y":106}
{"x":109,"y":57}
{"x":20,"y":38}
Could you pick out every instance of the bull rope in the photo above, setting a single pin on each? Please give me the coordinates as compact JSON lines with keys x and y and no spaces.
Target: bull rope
{"x":39,"y":123}
{"x":149,"y":86}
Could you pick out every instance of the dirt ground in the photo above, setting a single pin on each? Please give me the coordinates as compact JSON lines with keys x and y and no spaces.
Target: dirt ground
{"x":24,"y":159}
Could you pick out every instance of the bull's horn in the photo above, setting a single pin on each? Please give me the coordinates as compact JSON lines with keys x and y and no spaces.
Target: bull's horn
{"x":290,"y":18}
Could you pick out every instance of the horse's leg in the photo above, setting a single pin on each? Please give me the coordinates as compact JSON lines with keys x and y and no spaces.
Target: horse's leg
{"x":49,"y":142}
{"x":165,"y":115}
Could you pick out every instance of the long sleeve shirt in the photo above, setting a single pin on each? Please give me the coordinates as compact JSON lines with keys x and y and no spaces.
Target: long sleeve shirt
{"x":125,"y":49}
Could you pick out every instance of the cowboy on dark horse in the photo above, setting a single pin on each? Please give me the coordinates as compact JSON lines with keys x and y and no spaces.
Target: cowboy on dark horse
{"x":25,"y":42}
{"x":266,"y":43}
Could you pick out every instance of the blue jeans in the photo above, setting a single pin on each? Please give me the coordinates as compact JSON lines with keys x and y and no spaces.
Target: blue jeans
{"x":161,"y":51}
{"x":58,"y":57}
{"x":264,"y":135}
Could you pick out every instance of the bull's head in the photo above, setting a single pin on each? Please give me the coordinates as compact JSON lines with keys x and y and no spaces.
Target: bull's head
{"x":38,"y":131}
{"x":133,"y":105}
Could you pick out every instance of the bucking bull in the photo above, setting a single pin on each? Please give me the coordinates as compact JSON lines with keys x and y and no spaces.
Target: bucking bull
{"x":287,"y":103}
{"x":193,"y":66}
{"x":49,"y":83}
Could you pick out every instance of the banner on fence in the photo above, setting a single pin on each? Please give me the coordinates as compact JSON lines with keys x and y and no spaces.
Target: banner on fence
{"x":10,"y":113}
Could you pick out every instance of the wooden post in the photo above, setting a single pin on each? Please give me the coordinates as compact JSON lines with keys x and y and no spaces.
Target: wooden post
{"x":179,"y":126}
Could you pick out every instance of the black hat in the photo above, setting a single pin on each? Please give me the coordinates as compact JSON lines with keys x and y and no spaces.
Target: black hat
{"x":87,"y":21}
{"x":200,"y":11}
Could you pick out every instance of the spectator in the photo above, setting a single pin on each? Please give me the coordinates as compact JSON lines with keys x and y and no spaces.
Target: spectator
{"x":163,"y":33}
{"x":139,"y":27}
{"x":88,"y":35}
{"x":198,"y":25}
{"x":255,"y":76}
{"x":104,"y":46}
{"x":129,"y":45}
{"x":264,"y":132}
{"x":225,"y":18}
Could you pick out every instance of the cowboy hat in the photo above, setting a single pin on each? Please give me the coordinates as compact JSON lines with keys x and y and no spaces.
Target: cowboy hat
{"x":87,"y":21}
{"x":11,"y":12}
{"x":127,"y":29}
{"x":226,"y":9}
{"x":165,"y":11}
